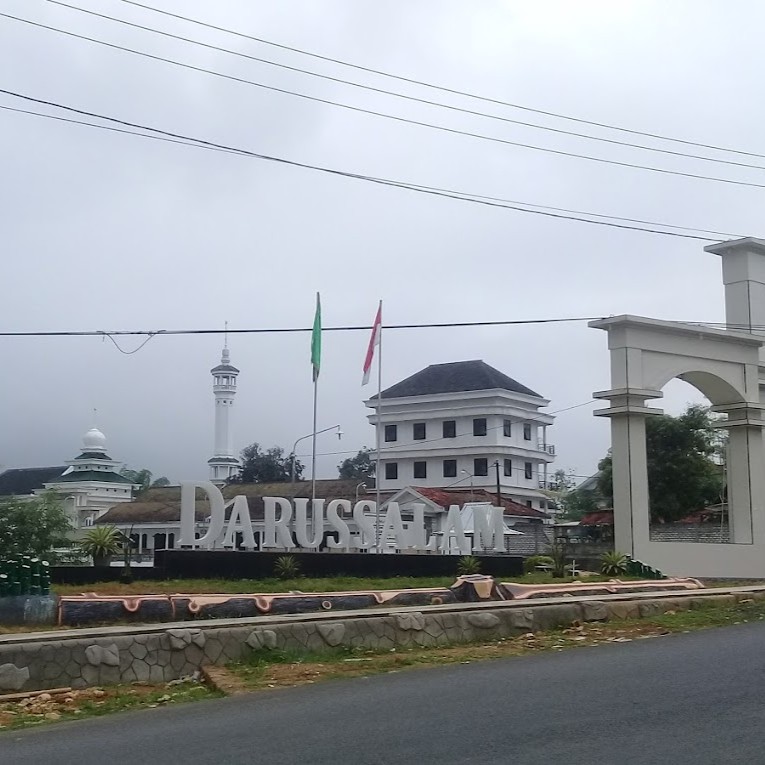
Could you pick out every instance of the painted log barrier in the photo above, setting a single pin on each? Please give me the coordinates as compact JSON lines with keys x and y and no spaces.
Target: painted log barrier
{"x":81,"y":658}
{"x":91,"y":608}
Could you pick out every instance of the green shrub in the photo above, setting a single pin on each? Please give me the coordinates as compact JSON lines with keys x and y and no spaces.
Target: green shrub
{"x":468,"y":564}
{"x":558,"y":554}
{"x":287,"y":567}
{"x":531,"y":563}
{"x":613,"y":564}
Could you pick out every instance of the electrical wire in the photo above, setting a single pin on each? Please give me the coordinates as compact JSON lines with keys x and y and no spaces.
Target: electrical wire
{"x":121,"y":349}
{"x":384,"y":115}
{"x":419,"y":188}
{"x":351,"y":328}
{"x":442,"y":88}
{"x":404,"y":96}
{"x":271,"y":330}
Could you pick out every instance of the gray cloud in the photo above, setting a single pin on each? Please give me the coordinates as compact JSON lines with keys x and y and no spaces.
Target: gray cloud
{"x":102,"y":231}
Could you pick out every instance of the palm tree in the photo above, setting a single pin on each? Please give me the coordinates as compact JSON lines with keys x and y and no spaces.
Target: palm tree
{"x":101,"y":542}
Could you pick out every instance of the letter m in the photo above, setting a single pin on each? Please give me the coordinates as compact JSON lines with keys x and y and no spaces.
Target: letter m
{"x":488,"y":529}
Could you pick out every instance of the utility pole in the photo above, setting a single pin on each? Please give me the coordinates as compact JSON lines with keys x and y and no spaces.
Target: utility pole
{"x":499,"y":493}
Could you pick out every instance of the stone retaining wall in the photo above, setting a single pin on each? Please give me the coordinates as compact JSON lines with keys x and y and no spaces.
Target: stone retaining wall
{"x":160,"y":653}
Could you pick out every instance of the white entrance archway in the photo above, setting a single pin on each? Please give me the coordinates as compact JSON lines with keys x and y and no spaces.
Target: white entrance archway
{"x":724,"y":365}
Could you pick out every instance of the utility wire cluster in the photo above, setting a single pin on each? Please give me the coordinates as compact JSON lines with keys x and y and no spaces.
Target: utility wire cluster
{"x":97,"y":119}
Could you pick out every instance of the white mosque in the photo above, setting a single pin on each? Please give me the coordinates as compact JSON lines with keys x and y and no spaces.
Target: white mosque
{"x":91,"y":482}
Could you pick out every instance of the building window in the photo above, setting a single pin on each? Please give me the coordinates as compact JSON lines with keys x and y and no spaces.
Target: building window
{"x":508,"y":467}
{"x":391,"y":471}
{"x":450,"y":429}
{"x":391,"y":433}
{"x":528,"y":503}
{"x":450,"y":468}
{"x":527,"y":431}
{"x":418,"y":431}
{"x":528,"y":470}
{"x":507,"y":428}
{"x":481,"y":466}
{"x":420,"y":469}
{"x":479,"y":426}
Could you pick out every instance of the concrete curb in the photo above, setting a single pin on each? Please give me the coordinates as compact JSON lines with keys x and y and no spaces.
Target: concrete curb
{"x":159,"y":653}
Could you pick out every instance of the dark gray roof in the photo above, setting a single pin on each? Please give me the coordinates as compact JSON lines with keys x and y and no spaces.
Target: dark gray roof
{"x":224,"y":368}
{"x":24,"y":481}
{"x":104,"y":476}
{"x":94,"y":456}
{"x":228,"y":460}
{"x":455,"y":377}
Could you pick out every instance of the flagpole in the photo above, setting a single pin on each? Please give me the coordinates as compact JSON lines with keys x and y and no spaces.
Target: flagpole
{"x":313,"y":440}
{"x":378,"y":477}
{"x":315,"y":366}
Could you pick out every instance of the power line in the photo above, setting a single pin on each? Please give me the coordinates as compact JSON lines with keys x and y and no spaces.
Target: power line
{"x":349,"y":328}
{"x":396,"y":94}
{"x":277,"y":330}
{"x":385,"y":115}
{"x":431,"y":190}
{"x":453,"y":91}
{"x":406,"y":185}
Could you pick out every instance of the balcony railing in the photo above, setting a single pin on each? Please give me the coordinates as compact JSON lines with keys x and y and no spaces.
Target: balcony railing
{"x":547,"y":448}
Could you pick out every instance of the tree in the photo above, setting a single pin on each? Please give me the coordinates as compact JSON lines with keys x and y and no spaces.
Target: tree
{"x":269,"y":466}
{"x":577,"y":503}
{"x":362,"y":466}
{"x":101,"y":542}
{"x":37,"y":526}
{"x":573,"y":503}
{"x":143,"y":478}
{"x":682,"y":474}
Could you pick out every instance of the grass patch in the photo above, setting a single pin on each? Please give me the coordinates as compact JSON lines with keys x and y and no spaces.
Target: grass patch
{"x":276,"y":668}
{"x":94,"y":702}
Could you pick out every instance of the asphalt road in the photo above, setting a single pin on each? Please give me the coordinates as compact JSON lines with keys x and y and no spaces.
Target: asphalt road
{"x":684,"y":699}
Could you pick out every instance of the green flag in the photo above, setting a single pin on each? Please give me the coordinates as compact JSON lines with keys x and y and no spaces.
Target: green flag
{"x":316,"y":340}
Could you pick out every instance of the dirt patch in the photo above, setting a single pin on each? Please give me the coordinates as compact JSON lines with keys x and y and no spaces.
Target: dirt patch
{"x":44,"y":707}
{"x":263,"y":673}
{"x":224,"y":680}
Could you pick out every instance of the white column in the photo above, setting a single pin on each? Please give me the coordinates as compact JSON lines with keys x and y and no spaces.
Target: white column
{"x":743,"y":268}
{"x":745,"y":475}
{"x":630,"y":466}
{"x":222,"y":432}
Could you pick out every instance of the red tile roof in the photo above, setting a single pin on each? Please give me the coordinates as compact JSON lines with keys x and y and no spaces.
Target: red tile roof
{"x":445,"y":498}
{"x":602,"y":518}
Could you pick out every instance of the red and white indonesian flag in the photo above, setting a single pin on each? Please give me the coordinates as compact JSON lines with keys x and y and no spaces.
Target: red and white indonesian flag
{"x":374,"y":341}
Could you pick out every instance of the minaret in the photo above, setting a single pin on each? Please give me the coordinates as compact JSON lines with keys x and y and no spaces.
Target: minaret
{"x":223,"y":464}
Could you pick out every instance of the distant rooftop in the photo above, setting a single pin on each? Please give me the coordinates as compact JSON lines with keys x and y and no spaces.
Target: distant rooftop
{"x":455,"y":377}
{"x":23,"y":481}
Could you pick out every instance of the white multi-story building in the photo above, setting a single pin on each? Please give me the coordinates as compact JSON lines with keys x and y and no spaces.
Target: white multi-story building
{"x":464,"y":424}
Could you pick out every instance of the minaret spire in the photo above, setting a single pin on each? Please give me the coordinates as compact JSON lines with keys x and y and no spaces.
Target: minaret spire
{"x":223,"y":464}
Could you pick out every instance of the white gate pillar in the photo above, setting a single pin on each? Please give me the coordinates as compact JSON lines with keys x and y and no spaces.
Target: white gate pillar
{"x":628,"y":413}
{"x":745,"y":476}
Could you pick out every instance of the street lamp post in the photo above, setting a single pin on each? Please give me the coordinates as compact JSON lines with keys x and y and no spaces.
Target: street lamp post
{"x":360,"y":486}
{"x":303,"y":438}
{"x":469,"y":475}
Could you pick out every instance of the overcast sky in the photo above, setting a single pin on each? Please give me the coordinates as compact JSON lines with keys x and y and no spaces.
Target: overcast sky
{"x":102,"y":231}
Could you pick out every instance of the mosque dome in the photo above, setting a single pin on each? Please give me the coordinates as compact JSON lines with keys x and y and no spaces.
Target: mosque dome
{"x":94,"y":441}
